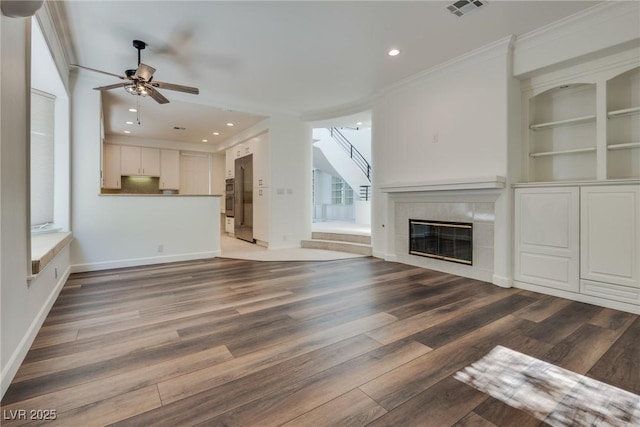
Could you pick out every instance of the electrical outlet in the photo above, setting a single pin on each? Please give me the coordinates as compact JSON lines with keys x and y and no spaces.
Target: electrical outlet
{"x":435,"y":138}
{"x":160,"y":248}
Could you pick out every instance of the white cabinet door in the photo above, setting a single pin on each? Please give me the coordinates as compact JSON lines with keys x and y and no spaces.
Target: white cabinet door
{"x":229,"y":226}
{"x":547,"y":237}
{"x":140,"y":161}
{"x":150,"y":161}
{"x":230,"y":163}
{"x":111,"y":171}
{"x":169,"y":169}
{"x":261,"y":169}
{"x":261,"y":214}
{"x":129,"y":160}
{"x":610,"y":233}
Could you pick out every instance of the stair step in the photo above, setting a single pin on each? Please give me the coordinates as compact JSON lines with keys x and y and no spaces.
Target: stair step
{"x":333,"y":245}
{"x":342,"y":237}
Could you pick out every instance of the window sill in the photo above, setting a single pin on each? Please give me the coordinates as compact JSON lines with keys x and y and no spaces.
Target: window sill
{"x":44,"y":247}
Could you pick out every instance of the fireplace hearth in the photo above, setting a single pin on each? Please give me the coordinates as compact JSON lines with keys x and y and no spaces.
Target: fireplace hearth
{"x":448,"y":241}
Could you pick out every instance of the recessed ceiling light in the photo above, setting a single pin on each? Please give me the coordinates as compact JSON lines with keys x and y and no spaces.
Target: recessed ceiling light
{"x":216,"y":133}
{"x":393,"y":52}
{"x":127,"y":131}
{"x":129,"y":123}
{"x":359,"y":124}
{"x":229,"y":124}
{"x":133,"y":110}
{"x":205,"y":140}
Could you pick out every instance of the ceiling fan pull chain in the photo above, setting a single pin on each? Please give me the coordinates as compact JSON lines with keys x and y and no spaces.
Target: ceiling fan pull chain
{"x":138,"y":110}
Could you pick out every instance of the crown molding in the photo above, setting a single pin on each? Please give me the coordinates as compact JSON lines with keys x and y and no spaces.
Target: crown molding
{"x":52,"y":21}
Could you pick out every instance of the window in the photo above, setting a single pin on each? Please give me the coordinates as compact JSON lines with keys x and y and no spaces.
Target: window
{"x":42,"y":157}
{"x":341,"y":193}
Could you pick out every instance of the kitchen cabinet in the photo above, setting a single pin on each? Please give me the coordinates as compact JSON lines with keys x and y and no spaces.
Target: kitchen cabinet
{"x":261,"y":169}
{"x":111,"y":169}
{"x":229,"y":226}
{"x":547,"y":237}
{"x":140,"y":161}
{"x":169,"y":169}
{"x":261,"y":214}
{"x":230,"y":163}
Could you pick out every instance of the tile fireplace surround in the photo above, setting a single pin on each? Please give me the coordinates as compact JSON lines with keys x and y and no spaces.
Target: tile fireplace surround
{"x":458,"y":203}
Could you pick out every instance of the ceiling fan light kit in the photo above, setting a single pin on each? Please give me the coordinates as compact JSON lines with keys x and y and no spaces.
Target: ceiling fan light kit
{"x":139,"y":81}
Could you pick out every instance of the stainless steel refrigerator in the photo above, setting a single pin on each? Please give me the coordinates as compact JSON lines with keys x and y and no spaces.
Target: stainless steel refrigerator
{"x":244,"y":198}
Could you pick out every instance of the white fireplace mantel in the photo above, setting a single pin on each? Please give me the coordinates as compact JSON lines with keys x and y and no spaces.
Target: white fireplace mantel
{"x":473,"y":183}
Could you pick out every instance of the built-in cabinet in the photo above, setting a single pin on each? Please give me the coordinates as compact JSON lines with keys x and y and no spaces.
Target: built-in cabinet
{"x":547,"y":237}
{"x":111,"y":176}
{"x":583,"y":125}
{"x":139,"y":161}
{"x":577,"y":211}
{"x":169,"y":170}
{"x":610,"y":242}
{"x":582,"y":239}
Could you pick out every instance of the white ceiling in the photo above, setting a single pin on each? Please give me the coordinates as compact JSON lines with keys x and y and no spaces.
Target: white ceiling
{"x":305,"y":58}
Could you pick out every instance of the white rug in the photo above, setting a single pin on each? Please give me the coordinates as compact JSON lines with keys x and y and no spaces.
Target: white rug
{"x":551,"y":394}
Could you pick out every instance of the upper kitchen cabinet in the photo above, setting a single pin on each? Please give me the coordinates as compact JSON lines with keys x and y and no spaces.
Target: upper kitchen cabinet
{"x":623,"y":125}
{"x":140,"y":161}
{"x":169,"y":170}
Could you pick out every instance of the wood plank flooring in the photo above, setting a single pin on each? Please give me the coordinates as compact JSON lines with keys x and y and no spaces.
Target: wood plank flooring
{"x":350,"y":342}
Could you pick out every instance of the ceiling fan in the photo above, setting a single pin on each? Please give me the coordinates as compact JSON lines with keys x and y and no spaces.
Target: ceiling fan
{"x":140,"y":81}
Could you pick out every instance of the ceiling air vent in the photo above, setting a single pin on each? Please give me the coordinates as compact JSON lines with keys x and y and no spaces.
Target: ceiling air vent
{"x":462,"y":7}
{"x":179,"y":128}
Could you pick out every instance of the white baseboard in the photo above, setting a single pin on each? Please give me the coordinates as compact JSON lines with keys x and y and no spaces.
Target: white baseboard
{"x":12,"y":366}
{"x":377,"y":254}
{"x":503,"y":282}
{"x":391,"y":257}
{"x":134,"y":262}
{"x":599,"y":301}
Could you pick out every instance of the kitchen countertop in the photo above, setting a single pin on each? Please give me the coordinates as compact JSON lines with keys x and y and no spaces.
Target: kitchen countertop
{"x":157,"y":195}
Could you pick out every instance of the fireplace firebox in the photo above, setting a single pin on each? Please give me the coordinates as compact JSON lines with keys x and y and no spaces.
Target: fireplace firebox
{"x":448,"y":241}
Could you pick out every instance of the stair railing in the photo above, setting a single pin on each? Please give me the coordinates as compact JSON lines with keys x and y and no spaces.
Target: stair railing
{"x":352,"y":151}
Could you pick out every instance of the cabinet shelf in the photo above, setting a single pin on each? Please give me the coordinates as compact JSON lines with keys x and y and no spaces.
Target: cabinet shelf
{"x":559,"y":152}
{"x":567,"y":122}
{"x":626,"y":146}
{"x":622,"y":113}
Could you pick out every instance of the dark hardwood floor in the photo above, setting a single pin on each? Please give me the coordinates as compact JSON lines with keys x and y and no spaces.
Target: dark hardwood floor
{"x":350,"y":342}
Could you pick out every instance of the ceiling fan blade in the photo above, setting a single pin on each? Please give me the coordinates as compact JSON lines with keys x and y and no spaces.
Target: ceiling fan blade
{"x":144,"y":72}
{"x":99,"y":71}
{"x":157,"y":96}
{"x":179,"y":88}
{"x":113,"y":86}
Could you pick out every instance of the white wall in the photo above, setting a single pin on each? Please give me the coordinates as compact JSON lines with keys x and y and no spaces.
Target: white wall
{"x":24,"y":304}
{"x":115,"y":231}
{"x":449,"y":123}
{"x":290,"y":183}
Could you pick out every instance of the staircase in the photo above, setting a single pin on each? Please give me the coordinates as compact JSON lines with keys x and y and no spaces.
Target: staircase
{"x":352,"y":243}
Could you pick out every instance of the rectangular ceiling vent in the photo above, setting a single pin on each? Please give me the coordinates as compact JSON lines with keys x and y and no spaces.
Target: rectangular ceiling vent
{"x":462,"y":7}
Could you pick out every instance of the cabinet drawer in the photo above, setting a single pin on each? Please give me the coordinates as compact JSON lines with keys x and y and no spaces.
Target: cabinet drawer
{"x":610,"y":291}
